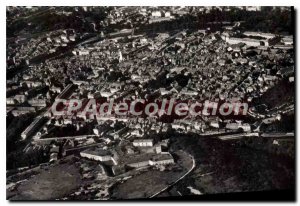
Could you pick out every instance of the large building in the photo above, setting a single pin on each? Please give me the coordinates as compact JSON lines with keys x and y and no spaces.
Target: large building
{"x":100,"y":155}
{"x":247,"y":41}
{"x":66,"y":92}
{"x":144,"y":160}
{"x":143,"y":143}
{"x":33,"y":127}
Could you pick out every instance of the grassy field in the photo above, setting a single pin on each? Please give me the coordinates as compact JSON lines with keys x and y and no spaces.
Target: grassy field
{"x":56,"y":182}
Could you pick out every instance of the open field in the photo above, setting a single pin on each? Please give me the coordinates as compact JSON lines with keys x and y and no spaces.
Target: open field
{"x":57,"y":181}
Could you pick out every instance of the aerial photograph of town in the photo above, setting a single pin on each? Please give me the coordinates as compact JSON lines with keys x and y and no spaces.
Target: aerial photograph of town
{"x":149,"y":103}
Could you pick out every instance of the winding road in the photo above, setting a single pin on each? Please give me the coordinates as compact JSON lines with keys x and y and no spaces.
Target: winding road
{"x":183,"y":176}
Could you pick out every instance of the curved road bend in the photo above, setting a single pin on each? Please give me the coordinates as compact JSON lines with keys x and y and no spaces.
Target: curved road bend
{"x":183,"y":176}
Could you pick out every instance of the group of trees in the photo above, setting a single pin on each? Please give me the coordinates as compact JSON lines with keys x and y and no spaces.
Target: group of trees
{"x":47,"y":19}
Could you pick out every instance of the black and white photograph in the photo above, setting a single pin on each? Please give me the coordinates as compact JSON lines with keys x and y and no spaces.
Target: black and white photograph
{"x":150,"y":103}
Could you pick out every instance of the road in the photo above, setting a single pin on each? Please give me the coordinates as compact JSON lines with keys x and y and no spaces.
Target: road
{"x":255,"y":134}
{"x":183,"y":176}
